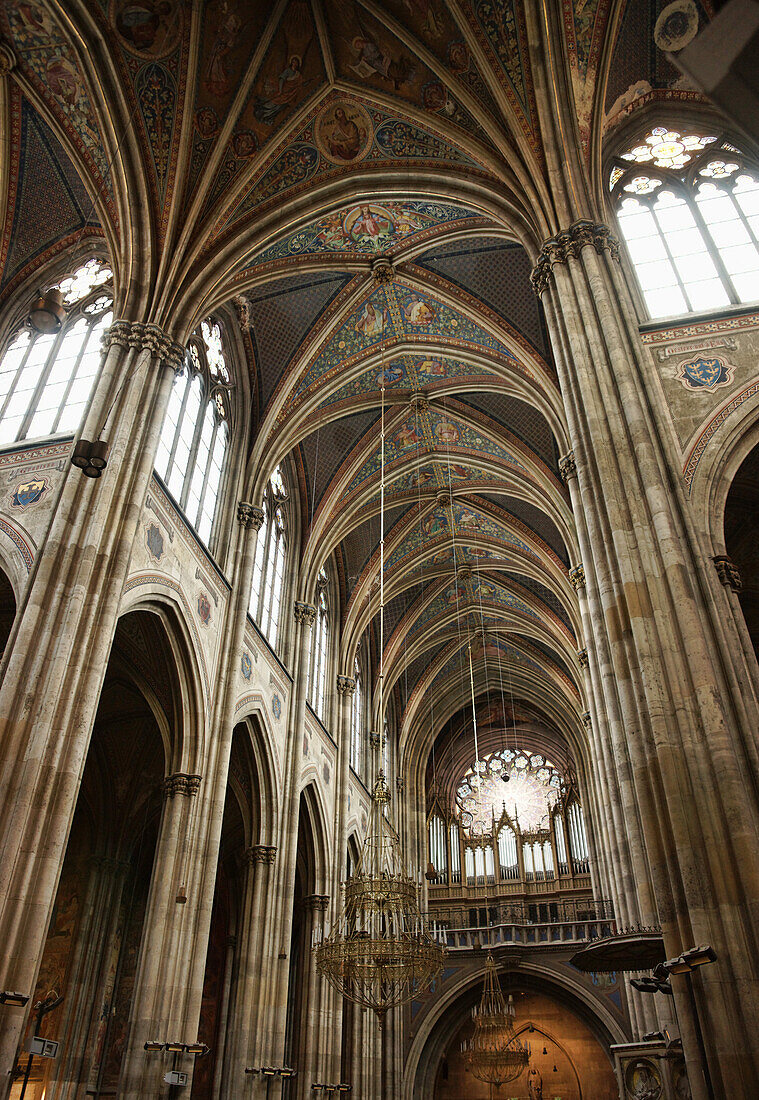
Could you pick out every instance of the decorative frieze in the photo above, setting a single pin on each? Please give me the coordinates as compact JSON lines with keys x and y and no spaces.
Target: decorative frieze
{"x":728,"y":573}
{"x":567,"y":466}
{"x":147,"y":337}
{"x":305,"y":613}
{"x":249,"y":515}
{"x":569,"y":243}
{"x":181,"y":783}
{"x":577,"y":577}
{"x":346,"y":685}
{"x":261,"y":853}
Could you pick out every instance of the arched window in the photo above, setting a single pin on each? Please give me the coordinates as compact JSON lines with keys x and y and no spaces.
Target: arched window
{"x":46,"y":378}
{"x":688,"y":209}
{"x":194,"y":436}
{"x":357,"y":720}
{"x":271,"y":553}
{"x":317,"y":687}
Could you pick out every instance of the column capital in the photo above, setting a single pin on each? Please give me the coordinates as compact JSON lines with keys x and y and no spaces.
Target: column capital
{"x":305,"y":613}
{"x":582,"y":657}
{"x":346,"y":685}
{"x":317,"y":903}
{"x":569,"y":243}
{"x":261,"y":853}
{"x":147,"y":337}
{"x":399,"y":783}
{"x":587,"y":719}
{"x":249,"y":515}
{"x":728,"y":572}
{"x":577,"y":577}
{"x":181,"y":783}
{"x":567,"y":466}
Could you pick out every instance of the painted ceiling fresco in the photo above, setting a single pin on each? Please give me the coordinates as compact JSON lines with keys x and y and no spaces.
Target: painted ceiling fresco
{"x":270,"y":154}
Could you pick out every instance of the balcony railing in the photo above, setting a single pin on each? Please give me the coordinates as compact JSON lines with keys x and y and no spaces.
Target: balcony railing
{"x":524,"y":923}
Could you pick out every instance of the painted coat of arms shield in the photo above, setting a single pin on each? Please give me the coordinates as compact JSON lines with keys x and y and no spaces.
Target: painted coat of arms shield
{"x":28,"y":492}
{"x":705,"y":373}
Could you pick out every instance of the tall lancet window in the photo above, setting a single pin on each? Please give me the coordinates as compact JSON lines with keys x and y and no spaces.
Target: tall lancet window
{"x":266,"y":590}
{"x":687,"y":204}
{"x":357,"y":720}
{"x":195,"y":433}
{"x":46,"y":378}
{"x":317,"y":687}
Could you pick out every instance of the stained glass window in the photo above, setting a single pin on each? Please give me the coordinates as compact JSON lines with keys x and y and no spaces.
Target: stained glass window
{"x":267,"y":587}
{"x":317,"y":687}
{"x":521,"y":784}
{"x":688,"y":210}
{"x":193,"y":443}
{"x":46,"y":378}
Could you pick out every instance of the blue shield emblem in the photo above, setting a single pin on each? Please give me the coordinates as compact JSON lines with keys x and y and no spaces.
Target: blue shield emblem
{"x":154,"y":540}
{"x":28,"y":492}
{"x":246,"y":666}
{"x":705,"y":373}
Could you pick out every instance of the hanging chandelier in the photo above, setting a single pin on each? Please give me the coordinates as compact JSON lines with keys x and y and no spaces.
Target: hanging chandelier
{"x":494,"y":1054}
{"x":381,"y":953}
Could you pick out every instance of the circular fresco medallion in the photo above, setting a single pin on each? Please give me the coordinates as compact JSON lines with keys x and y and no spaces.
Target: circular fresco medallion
{"x":343,"y":132}
{"x":676,"y":26}
{"x":148,"y":28}
{"x":642,"y":1080}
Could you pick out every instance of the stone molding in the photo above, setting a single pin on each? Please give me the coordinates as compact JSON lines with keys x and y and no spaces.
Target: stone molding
{"x":346,"y":685}
{"x":569,"y":244}
{"x":261,"y":853}
{"x":7,"y":59}
{"x":181,"y":783}
{"x":577,"y":577}
{"x":305,"y":613}
{"x":728,"y":572}
{"x":147,"y":337}
{"x":250,"y":515}
{"x":582,"y":657}
{"x":567,"y":467}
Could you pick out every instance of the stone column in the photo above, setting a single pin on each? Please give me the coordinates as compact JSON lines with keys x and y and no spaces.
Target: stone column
{"x":675,"y":720}
{"x":160,"y":986}
{"x":56,"y":658}
{"x":283,"y":907}
{"x":247,"y":1005}
{"x":346,"y":687}
{"x":316,"y":1003}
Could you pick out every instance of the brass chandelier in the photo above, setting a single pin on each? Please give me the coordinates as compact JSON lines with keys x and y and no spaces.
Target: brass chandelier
{"x":381,"y":954}
{"x":494,"y":1054}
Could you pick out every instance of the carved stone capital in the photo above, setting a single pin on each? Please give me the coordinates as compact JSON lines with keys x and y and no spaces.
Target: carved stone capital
{"x":567,"y":466}
{"x":382,"y":270}
{"x":582,"y":657}
{"x":374,"y":739}
{"x":181,"y":783}
{"x":317,"y":903}
{"x":577,"y":577}
{"x":587,"y":719}
{"x":399,"y":783}
{"x":305,"y":613}
{"x":346,"y":685}
{"x":569,"y":243}
{"x":242,"y":309}
{"x":249,"y":515}
{"x":261,"y":853}
{"x":728,"y":573}
{"x":147,"y":337}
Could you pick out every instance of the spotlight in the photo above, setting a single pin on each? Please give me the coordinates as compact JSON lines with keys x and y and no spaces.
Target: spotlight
{"x":691,"y":960}
{"x":174,"y":1048}
{"x":198,"y":1049}
{"x":269,"y":1071}
{"x":153,"y":1045}
{"x":287,"y":1071}
{"x":13,"y":998}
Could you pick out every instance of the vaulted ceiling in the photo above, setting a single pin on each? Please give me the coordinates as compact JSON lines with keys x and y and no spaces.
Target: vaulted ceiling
{"x":269,"y":154}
